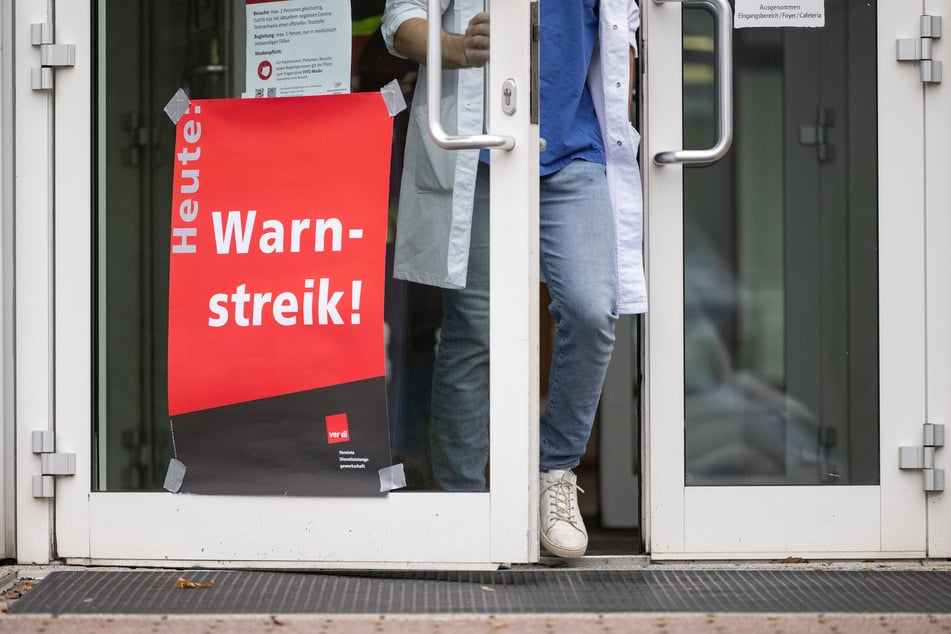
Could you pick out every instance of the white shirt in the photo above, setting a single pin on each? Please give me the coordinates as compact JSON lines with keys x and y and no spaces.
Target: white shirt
{"x":435,"y":213}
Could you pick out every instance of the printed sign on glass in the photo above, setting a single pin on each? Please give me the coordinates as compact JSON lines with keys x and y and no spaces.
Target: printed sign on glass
{"x":297,"y":47}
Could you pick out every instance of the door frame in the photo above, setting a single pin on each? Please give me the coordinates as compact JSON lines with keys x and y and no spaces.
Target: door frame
{"x":32,"y":290}
{"x":937,"y":103}
{"x":55,"y":239}
{"x":701,"y":522}
{"x":8,"y":493}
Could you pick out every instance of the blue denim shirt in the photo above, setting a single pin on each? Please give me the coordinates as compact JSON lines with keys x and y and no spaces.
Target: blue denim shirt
{"x":569,"y":124}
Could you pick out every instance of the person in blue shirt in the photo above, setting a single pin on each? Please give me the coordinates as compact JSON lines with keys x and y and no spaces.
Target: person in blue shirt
{"x":590,"y":232}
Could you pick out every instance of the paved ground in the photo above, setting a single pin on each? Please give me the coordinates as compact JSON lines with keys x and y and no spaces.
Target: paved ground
{"x":573,"y":624}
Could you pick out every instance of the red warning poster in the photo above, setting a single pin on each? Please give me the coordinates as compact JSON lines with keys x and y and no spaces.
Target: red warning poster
{"x":276,"y":354}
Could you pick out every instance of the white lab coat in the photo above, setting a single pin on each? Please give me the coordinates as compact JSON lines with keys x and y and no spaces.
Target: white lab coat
{"x":435,"y":212}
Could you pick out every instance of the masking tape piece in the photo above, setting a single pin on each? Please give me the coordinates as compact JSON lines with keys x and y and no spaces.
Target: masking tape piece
{"x":392,"y":477}
{"x":393,"y":98}
{"x":177,"y":106}
{"x":174,"y":476}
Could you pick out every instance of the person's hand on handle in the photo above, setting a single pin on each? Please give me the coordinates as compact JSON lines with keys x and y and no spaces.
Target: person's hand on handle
{"x":459,"y":50}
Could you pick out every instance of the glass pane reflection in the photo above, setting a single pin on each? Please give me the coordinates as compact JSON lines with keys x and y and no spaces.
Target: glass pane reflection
{"x":780,"y":264}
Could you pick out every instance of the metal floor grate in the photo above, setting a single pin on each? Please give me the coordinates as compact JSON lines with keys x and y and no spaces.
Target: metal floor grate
{"x":499,"y":592}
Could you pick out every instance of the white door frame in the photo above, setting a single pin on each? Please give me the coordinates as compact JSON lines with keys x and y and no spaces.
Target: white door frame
{"x":55,"y":382}
{"x":767,"y":521}
{"x":34,"y":305}
{"x":938,"y":192}
{"x":7,"y":359}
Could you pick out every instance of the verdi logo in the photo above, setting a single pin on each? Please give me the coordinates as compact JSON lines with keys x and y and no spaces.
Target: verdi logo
{"x":337,"y":429}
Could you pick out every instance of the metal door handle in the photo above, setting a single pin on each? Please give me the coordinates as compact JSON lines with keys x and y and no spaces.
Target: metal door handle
{"x":434,"y":94}
{"x":724,"y":78}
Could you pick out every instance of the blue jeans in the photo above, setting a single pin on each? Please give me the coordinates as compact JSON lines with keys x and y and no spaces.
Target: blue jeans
{"x":578,"y":261}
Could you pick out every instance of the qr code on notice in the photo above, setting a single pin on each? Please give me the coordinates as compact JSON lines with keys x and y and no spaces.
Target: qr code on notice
{"x":258,"y":92}
{"x":272,"y":92}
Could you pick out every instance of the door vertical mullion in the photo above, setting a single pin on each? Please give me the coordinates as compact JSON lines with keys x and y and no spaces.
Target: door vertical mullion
{"x":937,"y":195}
{"x":901,"y":230}
{"x":513,"y":318}
{"x":664,"y":327}
{"x":72,"y":242}
{"x":8,"y":478}
{"x":33,"y":280}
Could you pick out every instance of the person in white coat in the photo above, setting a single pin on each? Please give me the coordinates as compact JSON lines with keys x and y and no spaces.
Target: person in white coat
{"x":590,"y":232}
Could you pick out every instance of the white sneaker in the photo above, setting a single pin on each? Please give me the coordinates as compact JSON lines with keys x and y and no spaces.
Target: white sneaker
{"x":562,"y":529}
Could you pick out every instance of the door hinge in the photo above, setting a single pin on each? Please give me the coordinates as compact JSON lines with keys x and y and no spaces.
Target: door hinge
{"x":52,"y":56}
{"x":923,"y":457}
{"x":51,"y":464}
{"x":918,"y":49}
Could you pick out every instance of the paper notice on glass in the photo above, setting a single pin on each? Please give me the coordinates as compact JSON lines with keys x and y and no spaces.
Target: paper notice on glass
{"x":297,"y":47}
{"x":779,"y":13}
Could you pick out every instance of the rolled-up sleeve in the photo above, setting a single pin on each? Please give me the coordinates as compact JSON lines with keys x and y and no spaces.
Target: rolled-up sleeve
{"x":633,"y":23}
{"x":399,"y":11}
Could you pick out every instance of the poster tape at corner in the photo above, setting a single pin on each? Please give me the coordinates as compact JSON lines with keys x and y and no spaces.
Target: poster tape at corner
{"x":392,"y":478}
{"x":393,"y":98}
{"x":177,"y":106}
{"x":175,"y":476}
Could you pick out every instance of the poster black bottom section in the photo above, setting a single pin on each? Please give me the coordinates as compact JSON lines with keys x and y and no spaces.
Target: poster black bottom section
{"x":325,"y":442}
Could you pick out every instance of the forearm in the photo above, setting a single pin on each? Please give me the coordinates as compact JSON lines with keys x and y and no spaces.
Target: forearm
{"x":410,"y":41}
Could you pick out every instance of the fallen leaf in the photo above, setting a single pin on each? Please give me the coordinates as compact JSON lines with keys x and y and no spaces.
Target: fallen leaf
{"x":791,"y":560}
{"x":186,"y":583}
{"x":275,"y":620}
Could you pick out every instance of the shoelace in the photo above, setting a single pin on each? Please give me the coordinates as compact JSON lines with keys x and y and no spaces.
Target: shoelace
{"x":563,"y":510}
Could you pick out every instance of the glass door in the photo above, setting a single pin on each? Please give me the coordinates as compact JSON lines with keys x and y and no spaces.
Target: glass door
{"x":109,"y":240}
{"x":785,"y":354}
